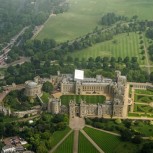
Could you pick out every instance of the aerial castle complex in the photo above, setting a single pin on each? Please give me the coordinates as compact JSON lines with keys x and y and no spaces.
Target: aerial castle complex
{"x":113,"y":89}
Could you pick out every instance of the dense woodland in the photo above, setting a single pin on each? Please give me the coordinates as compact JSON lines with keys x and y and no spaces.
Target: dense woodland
{"x":39,"y":135}
{"x":16,"y":14}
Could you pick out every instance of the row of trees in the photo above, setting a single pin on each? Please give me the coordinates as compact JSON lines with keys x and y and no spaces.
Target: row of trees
{"x":111,"y":18}
{"x":100,"y":65}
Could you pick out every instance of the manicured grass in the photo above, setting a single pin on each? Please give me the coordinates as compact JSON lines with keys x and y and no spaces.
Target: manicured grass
{"x":143,"y":108}
{"x":125,"y":46}
{"x":58,"y":135}
{"x":84,"y":15}
{"x":146,"y":92}
{"x":45,"y":97}
{"x":110,"y":143}
{"x":66,"y":146}
{"x":143,"y":99}
{"x":136,"y":114}
{"x":85,"y":146}
{"x":94,"y":99}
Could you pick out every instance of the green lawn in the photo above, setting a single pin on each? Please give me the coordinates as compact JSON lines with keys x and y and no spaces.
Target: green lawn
{"x":146,"y":92}
{"x":143,"y":99}
{"x":110,"y":143}
{"x":45,"y":97}
{"x":84,"y":15}
{"x":94,"y":99}
{"x":58,"y":135}
{"x":85,"y":146}
{"x":137,"y":114}
{"x":67,"y":145}
{"x":125,"y":46}
{"x":143,"y":108}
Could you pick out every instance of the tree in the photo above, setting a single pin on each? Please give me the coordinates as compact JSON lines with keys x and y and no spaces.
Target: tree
{"x":42,"y":149}
{"x":137,"y":139}
{"x":147,"y":148}
{"x":126,"y":135}
{"x":118,"y":121}
{"x":47,"y":87}
{"x":151,"y":76}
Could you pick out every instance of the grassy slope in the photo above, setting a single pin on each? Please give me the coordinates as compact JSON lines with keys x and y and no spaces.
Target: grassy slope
{"x":85,"y":146}
{"x":58,"y":135}
{"x":125,"y":46}
{"x":65,"y":99}
{"x":83,"y":16}
{"x":66,"y":146}
{"x":110,"y":143}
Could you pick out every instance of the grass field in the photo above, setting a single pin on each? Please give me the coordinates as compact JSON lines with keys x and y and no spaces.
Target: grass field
{"x":58,"y":135}
{"x":143,"y":98}
{"x":125,"y":46}
{"x":143,"y":108}
{"x":146,"y":92}
{"x":110,"y":143}
{"x":66,"y":146}
{"x":85,"y":146}
{"x":84,"y":15}
{"x":45,"y":97}
{"x":94,"y":99}
{"x":136,"y":114}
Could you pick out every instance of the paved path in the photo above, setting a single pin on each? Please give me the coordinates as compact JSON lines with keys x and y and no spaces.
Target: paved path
{"x":126,"y":98}
{"x":77,"y":123}
{"x":132,"y":97}
{"x":116,"y":134}
{"x":76,"y":141}
{"x":142,"y":103}
{"x":55,"y":147}
{"x":92,"y":142}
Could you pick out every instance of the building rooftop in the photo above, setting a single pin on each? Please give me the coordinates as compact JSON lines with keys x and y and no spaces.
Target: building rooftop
{"x":31,"y":84}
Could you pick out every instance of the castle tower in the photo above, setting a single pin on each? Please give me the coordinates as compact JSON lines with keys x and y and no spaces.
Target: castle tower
{"x":55,"y":106}
{"x":72,"y":108}
{"x":82,"y":108}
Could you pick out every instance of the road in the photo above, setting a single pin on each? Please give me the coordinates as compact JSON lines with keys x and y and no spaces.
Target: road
{"x":76,"y":141}
{"x":8,"y":47}
{"x":20,"y":61}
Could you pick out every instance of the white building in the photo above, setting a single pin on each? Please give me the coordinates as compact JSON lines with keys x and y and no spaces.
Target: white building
{"x":8,"y":149}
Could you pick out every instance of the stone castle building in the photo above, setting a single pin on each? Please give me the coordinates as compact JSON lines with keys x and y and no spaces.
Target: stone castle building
{"x":54,"y":106}
{"x":103,"y":86}
{"x":33,"y":89}
{"x":114,"y":89}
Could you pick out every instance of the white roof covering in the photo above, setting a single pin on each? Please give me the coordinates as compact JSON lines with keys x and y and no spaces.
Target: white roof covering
{"x":79,"y":75}
{"x":31,"y":84}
